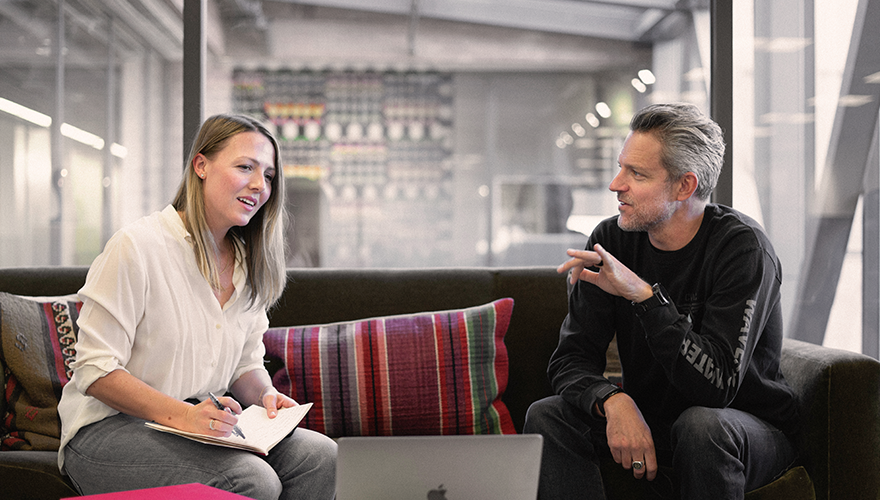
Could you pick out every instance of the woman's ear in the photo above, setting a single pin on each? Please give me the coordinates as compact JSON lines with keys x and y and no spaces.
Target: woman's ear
{"x":198,"y":165}
{"x":687,"y":186}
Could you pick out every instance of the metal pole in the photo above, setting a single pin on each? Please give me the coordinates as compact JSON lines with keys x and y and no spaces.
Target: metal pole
{"x":871,"y":252}
{"x":56,"y":239}
{"x":109,"y":138}
{"x":721,"y":90}
{"x":194,"y":54}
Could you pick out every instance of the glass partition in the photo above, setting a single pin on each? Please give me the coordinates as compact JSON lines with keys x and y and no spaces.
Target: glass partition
{"x":88,"y":101}
{"x":794,"y":67}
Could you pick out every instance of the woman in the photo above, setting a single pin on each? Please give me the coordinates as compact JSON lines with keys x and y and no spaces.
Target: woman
{"x":173,"y":309}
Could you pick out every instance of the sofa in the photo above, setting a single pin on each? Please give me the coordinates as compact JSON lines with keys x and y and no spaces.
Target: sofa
{"x":839,"y":391}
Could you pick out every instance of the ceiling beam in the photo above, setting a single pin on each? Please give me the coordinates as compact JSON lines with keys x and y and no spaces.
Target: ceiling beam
{"x":167,"y":43}
{"x":619,"y":20}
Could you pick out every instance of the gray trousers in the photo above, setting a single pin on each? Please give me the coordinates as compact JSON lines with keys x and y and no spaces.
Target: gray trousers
{"x":716,"y":454}
{"x":120,"y":453}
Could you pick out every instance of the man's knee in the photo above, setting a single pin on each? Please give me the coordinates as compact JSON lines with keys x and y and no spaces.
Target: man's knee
{"x":700,"y":428}
{"x":543,"y":413}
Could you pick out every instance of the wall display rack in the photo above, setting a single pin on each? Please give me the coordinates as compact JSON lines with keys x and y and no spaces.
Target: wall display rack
{"x":378,"y":143}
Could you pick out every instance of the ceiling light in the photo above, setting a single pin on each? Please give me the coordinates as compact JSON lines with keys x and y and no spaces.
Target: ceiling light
{"x":80,"y":135}
{"x":67,"y":130}
{"x":592,"y":120}
{"x":638,"y":85}
{"x":24,"y":113}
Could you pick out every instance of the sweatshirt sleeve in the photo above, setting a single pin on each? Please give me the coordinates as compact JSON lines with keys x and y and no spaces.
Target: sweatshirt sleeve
{"x":577,"y":366}
{"x":706,"y":358}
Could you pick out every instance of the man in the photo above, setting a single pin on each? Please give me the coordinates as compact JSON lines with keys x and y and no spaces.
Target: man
{"x":691,"y":289}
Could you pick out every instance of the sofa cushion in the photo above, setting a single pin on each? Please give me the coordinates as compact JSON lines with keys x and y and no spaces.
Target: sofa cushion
{"x":441,"y":372}
{"x":37,"y":337}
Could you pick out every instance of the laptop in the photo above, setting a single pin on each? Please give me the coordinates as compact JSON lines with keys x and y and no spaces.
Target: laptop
{"x":483,"y":467}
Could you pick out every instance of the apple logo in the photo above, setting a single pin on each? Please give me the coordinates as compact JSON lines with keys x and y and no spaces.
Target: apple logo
{"x":437,"y":494}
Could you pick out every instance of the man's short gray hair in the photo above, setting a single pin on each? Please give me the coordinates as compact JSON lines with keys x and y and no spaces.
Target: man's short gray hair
{"x":691,"y":142}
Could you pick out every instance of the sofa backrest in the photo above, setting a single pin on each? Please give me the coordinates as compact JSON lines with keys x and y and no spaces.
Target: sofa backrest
{"x":42,"y":281}
{"x":315,"y":296}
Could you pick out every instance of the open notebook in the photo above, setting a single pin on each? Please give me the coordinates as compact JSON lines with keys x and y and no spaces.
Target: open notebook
{"x":261,"y":432}
{"x":486,"y":467}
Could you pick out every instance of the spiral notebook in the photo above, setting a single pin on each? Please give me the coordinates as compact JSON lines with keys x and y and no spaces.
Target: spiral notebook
{"x":486,"y":467}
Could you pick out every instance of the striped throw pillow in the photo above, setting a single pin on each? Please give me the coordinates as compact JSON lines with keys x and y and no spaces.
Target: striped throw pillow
{"x":432,"y":373}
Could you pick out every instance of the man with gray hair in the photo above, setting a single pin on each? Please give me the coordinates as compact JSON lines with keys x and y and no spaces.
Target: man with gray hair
{"x":691,"y":289}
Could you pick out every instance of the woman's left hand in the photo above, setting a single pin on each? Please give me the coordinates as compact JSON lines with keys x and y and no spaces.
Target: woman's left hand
{"x":272,"y":401}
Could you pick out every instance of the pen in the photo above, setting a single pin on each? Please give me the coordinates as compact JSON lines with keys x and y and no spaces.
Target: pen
{"x":235,"y":429}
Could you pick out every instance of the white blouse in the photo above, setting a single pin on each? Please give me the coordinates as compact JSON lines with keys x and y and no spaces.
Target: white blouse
{"x":149,"y":311}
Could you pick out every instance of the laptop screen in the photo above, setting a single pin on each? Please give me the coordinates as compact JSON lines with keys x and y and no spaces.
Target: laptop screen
{"x":485,"y":467}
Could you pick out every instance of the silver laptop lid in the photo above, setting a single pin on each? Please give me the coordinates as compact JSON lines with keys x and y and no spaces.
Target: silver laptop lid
{"x":485,"y":467}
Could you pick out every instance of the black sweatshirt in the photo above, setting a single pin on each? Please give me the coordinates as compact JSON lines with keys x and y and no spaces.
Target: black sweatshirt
{"x":716,"y":344}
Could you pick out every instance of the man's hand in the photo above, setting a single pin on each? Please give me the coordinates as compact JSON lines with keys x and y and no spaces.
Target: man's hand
{"x":613,"y":277}
{"x":629,"y":437}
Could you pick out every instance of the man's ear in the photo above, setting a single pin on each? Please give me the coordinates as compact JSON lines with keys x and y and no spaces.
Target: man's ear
{"x":687,"y":186}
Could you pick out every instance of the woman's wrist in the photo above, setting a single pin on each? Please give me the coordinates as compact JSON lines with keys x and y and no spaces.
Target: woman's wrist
{"x":265,"y":391}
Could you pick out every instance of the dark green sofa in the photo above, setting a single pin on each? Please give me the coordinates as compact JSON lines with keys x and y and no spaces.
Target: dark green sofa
{"x":839,"y":390}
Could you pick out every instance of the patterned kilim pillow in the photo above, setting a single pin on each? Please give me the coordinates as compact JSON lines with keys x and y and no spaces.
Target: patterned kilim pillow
{"x":431,"y":373}
{"x":37,"y":337}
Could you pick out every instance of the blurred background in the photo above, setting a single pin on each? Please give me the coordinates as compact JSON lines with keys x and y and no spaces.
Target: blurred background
{"x":419,"y":133}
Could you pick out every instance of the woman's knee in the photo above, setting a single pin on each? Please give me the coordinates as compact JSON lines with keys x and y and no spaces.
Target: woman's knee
{"x":315,"y":450}
{"x":251,"y":477}
{"x":306,"y":464}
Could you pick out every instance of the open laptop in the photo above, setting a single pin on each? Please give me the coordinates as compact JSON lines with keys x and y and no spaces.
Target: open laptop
{"x":484,"y":467}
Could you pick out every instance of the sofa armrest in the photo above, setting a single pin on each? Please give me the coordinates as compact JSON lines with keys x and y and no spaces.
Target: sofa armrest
{"x":33,"y":474}
{"x":839,"y":396}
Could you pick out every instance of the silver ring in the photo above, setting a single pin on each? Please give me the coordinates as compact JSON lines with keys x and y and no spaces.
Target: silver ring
{"x":638,"y":464}
{"x":211,"y":425}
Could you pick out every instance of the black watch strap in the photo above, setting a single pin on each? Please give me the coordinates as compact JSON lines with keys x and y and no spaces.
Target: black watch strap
{"x":604,"y":394}
{"x":656,"y":300}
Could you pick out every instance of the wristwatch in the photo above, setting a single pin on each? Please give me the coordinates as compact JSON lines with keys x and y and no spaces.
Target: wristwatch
{"x":604,"y":394}
{"x":658,"y":299}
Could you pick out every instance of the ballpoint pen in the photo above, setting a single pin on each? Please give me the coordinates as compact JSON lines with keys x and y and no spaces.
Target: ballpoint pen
{"x":235,"y":429}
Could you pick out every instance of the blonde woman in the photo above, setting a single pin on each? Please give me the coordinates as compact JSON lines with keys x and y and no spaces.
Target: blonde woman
{"x":174,"y":309}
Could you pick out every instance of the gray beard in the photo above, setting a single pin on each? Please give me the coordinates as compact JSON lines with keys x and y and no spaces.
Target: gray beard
{"x":640,"y":224}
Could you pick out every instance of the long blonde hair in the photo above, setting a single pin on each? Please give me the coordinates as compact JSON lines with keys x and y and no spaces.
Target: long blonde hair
{"x":260,"y":243}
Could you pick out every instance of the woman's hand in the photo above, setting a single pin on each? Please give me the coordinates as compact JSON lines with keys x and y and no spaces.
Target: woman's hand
{"x":205,"y":418}
{"x":272,"y":401}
